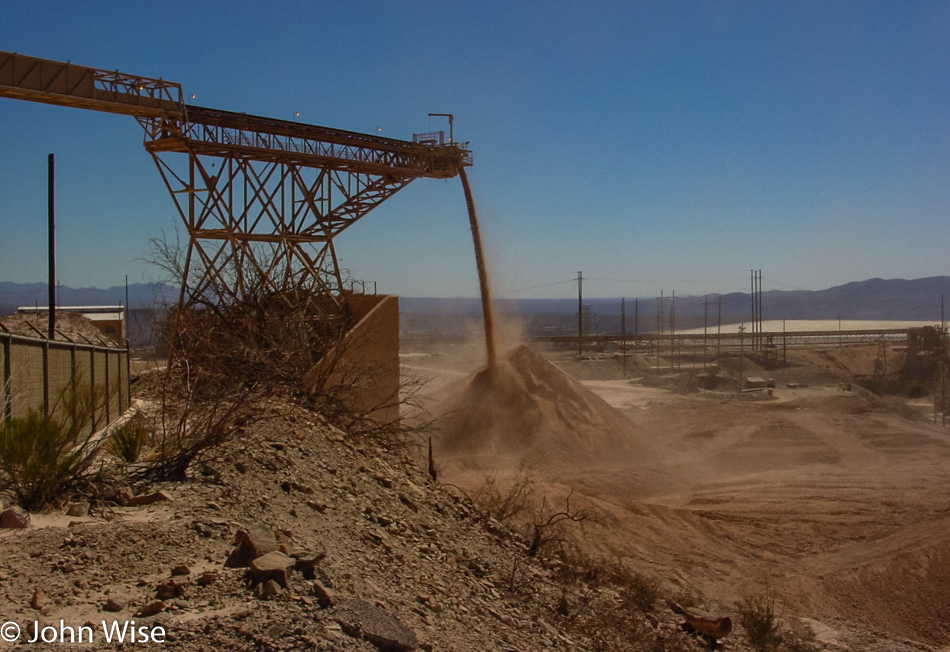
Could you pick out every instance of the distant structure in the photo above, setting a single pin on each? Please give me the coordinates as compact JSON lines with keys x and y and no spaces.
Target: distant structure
{"x":110,"y":320}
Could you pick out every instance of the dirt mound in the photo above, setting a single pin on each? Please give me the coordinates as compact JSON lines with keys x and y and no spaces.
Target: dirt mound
{"x":529,"y":410}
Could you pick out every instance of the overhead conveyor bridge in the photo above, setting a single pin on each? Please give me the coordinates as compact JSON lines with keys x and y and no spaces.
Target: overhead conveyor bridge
{"x":261,"y":198}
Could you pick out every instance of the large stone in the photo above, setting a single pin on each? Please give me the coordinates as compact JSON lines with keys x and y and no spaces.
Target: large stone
{"x":251,"y":544}
{"x":361,"y":619}
{"x":324,"y":596}
{"x":272,"y":566}
{"x":14,"y":517}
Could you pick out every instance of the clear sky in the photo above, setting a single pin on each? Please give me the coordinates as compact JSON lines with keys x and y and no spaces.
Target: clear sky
{"x":654,"y":145}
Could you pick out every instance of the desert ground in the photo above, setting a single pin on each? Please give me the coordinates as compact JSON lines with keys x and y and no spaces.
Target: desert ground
{"x":834,"y":499}
{"x":821,"y":494}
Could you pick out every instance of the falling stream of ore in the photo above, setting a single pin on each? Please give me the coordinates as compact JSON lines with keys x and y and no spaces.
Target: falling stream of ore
{"x":521,"y":407}
{"x":482,"y":275}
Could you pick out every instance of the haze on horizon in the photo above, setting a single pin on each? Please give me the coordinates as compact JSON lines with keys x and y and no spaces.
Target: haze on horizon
{"x":653,"y":145}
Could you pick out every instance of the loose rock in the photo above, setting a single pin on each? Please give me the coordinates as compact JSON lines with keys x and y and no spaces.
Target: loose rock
{"x":14,"y":517}
{"x":361,"y":619}
{"x":272,"y":566}
{"x":251,"y":544}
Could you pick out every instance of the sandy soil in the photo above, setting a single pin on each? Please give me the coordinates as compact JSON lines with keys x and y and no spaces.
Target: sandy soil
{"x":837,"y":499}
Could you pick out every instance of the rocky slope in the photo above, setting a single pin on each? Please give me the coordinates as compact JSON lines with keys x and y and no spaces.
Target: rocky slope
{"x":375,"y":556}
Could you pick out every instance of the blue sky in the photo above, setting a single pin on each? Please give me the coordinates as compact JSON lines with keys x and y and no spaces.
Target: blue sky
{"x":653,"y":145}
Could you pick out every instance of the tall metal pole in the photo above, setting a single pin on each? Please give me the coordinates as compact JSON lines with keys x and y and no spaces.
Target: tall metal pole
{"x":672,"y":328}
{"x":719,"y":332}
{"x":705,"y":322}
{"x":752,"y":296}
{"x":741,"y":354}
{"x":659,"y":327}
{"x":760,"y":301}
{"x":623,"y":334}
{"x":580,"y":313}
{"x":51,"y":208}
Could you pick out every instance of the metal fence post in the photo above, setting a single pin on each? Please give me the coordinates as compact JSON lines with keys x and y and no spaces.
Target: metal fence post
{"x":108,"y":390}
{"x":92,"y":381}
{"x":46,"y":405}
{"x":128,"y":374}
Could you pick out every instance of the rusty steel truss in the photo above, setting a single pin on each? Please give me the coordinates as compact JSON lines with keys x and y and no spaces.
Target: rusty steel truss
{"x":261,"y":199}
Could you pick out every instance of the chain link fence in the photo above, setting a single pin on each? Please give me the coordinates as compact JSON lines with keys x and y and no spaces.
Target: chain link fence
{"x":36,"y":373}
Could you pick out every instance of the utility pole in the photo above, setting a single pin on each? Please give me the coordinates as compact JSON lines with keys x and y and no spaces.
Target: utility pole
{"x":623,"y":334}
{"x":741,"y":353}
{"x":705,"y":321}
{"x":580,"y":313}
{"x":752,"y":296}
{"x":760,"y":306}
{"x":659,"y":328}
{"x":672,"y":328}
{"x":51,"y":209}
{"x":719,"y":332}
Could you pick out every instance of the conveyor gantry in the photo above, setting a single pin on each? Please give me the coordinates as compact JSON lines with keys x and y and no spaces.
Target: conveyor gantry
{"x":261,"y":198}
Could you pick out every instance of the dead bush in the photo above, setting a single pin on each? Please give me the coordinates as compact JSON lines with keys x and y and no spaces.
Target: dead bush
{"x":547,"y":528}
{"x":505,"y":504}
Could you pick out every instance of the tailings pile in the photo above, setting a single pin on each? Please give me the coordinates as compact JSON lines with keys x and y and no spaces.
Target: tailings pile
{"x":528,"y":410}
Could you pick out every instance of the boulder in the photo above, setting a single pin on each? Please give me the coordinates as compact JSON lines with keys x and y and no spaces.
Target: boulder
{"x":251,"y":544}
{"x":272,"y":566}
{"x":14,"y":517}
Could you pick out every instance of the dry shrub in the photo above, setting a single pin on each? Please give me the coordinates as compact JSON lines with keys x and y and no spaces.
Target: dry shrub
{"x":759,"y":617}
{"x":607,"y":603}
{"x":547,"y":529}
{"x":765,"y":630}
{"x":505,"y":505}
{"x":42,"y":459}
{"x":128,"y":441}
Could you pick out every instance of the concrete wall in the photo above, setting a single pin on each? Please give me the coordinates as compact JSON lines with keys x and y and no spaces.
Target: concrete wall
{"x":368,"y":362}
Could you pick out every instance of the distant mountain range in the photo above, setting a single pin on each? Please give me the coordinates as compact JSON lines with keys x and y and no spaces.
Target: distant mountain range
{"x":879,"y":299}
{"x":141,"y":295}
{"x":917,"y":299}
